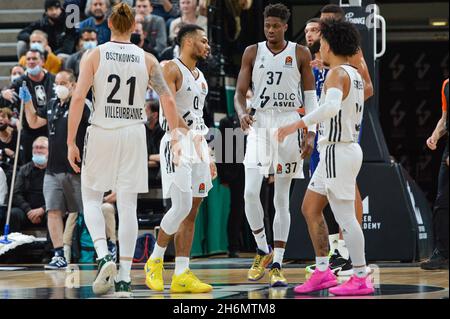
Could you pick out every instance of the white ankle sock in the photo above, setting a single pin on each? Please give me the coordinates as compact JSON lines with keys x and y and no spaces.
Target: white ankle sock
{"x":360,"y":272}
{"x":333,"y":241}
{"x":261,"y":241}
{"x":124,"y":271}
{"x":181,"y":264}
{"x":322,"y":263}
{"x":278,"y":254}
{"x":158,"y":252}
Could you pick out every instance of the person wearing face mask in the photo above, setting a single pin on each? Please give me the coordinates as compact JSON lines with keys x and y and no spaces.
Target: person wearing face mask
{"x":28,"y":205}
{"x":40,"y":83}
{"x":8,"y":141}
{"x":38,"y":41}
{"x":61,"y":38}
{"x":98,"y":20}
{"x":154,"y":136}
{"x":16,"y":72}
{"x":138,"y":37}
{"x":62,"y":187}
{"x":87,"y":41}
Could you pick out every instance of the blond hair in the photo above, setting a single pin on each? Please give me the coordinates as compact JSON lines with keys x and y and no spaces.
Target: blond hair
{"x":122,"y":18}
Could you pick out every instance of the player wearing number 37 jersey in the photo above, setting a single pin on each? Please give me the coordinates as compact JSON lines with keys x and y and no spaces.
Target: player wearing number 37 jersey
{"x":115,"y":156}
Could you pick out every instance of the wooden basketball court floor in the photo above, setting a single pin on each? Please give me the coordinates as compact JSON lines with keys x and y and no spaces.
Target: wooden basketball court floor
{"x":228,"y":277}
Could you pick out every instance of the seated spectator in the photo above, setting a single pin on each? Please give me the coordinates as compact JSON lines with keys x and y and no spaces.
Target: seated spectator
{"x":189,"y":15}
{"x":28,"y":205}
{"x":166,"y":9}
{"x":138,"y":38}
{"x":61,"y":38}
{"x":40,"y":84}
{"x":8,"y":141}
{"x":16,"y":72}
{"x":98,"y":10}
{"x":154,"y":135}
{"x":88,"y":40}
{"x":173,"y":51}
{"x":154,"y":27}
{"x":38,"y":41}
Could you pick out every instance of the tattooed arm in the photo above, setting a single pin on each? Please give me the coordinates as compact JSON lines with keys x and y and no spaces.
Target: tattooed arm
{"x":158,"y":83}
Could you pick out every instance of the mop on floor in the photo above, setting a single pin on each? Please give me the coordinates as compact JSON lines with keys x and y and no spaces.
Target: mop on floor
{"x":10,"y":241}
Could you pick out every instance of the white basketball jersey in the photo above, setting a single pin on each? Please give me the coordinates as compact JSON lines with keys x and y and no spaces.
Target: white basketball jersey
{"x":190,"y":100}
{"x":345,"y":126}
{"x":276,"y":79}
{"x":120,"y":84}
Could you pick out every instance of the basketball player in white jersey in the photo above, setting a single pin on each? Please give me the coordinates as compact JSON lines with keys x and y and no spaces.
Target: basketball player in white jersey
{"x":188,"y":182}
{"x":277,"y":69}
{"x":115,"y":156}
{"x":339,"y":117}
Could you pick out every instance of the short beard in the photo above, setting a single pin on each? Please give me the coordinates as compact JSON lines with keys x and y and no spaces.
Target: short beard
{"x":314,"y":47}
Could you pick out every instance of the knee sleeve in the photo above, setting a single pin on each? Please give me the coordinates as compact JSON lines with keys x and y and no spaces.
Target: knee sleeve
{"x":282,"y":219}
{"x":181,"y":206}
{"x":93,"y":217}
{"x":344,"y":212}
{"x":128,"y":224}
{"x":253,"y":207}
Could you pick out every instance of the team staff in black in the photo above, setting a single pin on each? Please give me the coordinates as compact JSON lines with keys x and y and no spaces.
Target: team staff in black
{"x":62,"y":187}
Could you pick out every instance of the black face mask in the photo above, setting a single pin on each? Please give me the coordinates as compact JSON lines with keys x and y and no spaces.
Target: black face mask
{"x":135,"y":38}
{"x":3,"y":127}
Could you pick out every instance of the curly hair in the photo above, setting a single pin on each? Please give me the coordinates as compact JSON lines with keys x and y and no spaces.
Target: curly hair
{"x":343,"y":37}
{"x":277,"y":10}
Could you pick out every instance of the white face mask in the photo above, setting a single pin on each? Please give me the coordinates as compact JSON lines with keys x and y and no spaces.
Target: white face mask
{"x":62,"y":91}
{"x":15,"y":77}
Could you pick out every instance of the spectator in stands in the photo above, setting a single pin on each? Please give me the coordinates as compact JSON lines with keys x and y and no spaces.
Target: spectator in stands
{"x":154,"y":135}
{"x":60,"y":38}
{"x":38,"y":41}
{"x":154,"y":27}
{"x":40,"y":84}
{"x":88,"y":40}
{"x":189,"y":15}
{"x":173,"y":51}
{"x":166,"y":9}
{"x":62,"y":187}
{"x":138,"y":37}
{"x":16,"y":72}
{"x":98,"y":20}
{"x":8,"y":141}
{"x":28,"y":205}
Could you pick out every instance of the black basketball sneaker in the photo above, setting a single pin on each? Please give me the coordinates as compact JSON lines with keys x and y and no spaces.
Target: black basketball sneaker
{"x":339,"y":265}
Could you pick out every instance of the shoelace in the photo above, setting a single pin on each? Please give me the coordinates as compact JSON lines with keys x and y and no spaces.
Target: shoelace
{"x":257,"y":261}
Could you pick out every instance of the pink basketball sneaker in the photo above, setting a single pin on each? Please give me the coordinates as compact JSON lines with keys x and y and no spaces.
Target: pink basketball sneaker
{"x":319,"y":280}
{"x":355,"y":286}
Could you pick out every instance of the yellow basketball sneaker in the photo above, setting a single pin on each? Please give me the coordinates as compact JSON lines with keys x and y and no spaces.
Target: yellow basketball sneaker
{"x":277,"y":278}
{"x":187,"y":282}
{"x":154,"y":274}
{"x":261,"y":261}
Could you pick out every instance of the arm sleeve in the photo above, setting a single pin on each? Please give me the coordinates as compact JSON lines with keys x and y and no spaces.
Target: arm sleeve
{"x":327,"y":110}
{"x":311,"y":105}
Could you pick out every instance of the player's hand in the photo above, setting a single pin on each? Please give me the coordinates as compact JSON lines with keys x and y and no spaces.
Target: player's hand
{"x":431,"y":143}
{"x":198,"y":140}
{"x":111,"y":198}
{"x":73,"y":155}
{"x":317,"y":63}
{"x":308,"y":145}
{"x":284,"y":131}
{"x":10,"y":95}
{"x":246,"y":121}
